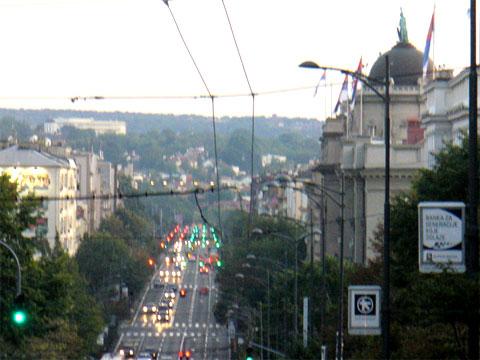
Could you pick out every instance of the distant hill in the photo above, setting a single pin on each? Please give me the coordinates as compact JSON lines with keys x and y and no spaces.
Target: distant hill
{"x":142,"y":123}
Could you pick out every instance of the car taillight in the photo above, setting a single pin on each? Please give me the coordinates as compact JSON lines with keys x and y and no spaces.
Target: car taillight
{"x":187,"y":354}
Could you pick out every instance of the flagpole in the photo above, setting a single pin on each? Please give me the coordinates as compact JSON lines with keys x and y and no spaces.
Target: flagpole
{"x":331,"y":100}
{"x":434,"y":34}
{"x":325,"y":102}
{"x":361,"y":111}
{"x":348,"y":113}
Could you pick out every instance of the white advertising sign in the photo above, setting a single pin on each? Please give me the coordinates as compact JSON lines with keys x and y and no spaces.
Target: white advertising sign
{"x":364,"y":310}
{"x":441,"y":245}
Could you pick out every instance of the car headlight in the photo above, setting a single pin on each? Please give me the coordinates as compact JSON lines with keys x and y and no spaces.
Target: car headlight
{"x":145,"y":309}
{"x":122,"y":352}
{"x":161,"y":273}
{"x":167,"y":317}
{"x":154,"y":308}
{"x":173,"y":295}
{"x":166,"y":273}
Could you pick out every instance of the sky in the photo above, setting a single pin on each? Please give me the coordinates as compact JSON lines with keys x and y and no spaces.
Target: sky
{"x":130,"y":52}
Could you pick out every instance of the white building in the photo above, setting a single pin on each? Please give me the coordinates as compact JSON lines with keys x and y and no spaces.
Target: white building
{"x":46,"y":175}
{"x":353,"y":146}
{"x":446,"y":112}
{"x":99,"y":126}
{"x":95,"y":178}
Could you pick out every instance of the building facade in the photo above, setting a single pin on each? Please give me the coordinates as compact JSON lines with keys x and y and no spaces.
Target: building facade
{"x":39,"y":173}
{"x":353,"y":149}
{"x":99,"y":126}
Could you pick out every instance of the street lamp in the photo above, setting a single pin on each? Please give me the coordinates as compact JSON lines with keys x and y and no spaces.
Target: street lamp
{"x":371,"y":83}
{"x":295,"y":242}
{"x":326,"y":192}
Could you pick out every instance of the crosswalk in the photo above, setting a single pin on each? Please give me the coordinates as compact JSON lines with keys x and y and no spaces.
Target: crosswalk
{"x":168,"y":334}
{"x":174,"y":325}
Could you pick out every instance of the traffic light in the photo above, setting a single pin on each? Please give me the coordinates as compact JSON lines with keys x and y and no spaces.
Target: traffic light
{"x":151,"y":262}
{"x":249,"y":354}
{"x":19,"y":313}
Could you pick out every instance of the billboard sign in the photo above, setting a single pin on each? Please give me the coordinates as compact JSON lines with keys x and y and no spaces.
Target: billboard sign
{"x":364,"y":310}
{"x":441,"y":236}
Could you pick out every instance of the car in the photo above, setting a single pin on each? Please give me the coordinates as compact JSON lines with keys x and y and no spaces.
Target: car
{"x":163,"y":314}
{"x":203,"y":290}
{"x":169,"y":294}
{"x":126,"y":352}
{"x":184,"y":354}
{"x":166,"y":302}
{"x":153,"y":353}
{"x":149,"y":308}
{"x":157,"y":284}
{"x":204,"y":270}
{"x":144,"y":355}
{"x":183,"y":292}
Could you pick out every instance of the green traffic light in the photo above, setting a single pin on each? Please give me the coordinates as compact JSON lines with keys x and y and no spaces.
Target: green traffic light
{"x":219,"y":263}
{"x":249,"y":358}
{"x":19,"y":317}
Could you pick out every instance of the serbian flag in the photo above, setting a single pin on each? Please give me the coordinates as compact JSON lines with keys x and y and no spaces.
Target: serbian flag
{"x":343,"y":93}
{"x":355,"y":82}
{"x":323,"y":78}
{"x":427,"y":45}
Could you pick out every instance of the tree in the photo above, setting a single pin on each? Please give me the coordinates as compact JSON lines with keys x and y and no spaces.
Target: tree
{"x":429,"y":311}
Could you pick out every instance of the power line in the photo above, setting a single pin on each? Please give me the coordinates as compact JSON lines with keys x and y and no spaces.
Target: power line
{"x":144,"y":194}
{"x":250,"y":212}
{"x":213,"y":109}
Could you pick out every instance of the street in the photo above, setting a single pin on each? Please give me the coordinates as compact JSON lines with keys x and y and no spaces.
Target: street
{"x":192,"y":328}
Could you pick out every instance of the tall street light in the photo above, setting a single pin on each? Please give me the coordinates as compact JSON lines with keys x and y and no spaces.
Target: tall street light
{"x":258,"y":231}
{"x":327,"y":192}
{"x":372,"y":83}
{"x":472,"y":221}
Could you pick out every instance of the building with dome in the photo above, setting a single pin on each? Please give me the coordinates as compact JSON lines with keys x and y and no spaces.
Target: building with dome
{"x":353,"y":147}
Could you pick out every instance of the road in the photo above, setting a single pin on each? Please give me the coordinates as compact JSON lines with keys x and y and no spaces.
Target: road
{"x":192,"y":327}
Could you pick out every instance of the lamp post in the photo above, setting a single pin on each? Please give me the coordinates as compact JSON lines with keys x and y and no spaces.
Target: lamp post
{"x":295,"y":242}
{"x":325,"y":192}
{"x":371,"y":83}
{"x":472,"y":221}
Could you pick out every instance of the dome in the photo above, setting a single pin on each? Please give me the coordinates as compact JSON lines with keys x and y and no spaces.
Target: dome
{"x":405,"y":65}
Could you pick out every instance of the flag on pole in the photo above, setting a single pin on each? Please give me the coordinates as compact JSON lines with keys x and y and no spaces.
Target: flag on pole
{"x":427,"y":44}
{"x":343,"y":94}
{"x":323,"y":78}
{"x":355,"y":82}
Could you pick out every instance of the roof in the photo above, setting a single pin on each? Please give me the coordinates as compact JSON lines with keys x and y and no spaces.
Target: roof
{"x":19,"y":156}
{"x":405,"y":65}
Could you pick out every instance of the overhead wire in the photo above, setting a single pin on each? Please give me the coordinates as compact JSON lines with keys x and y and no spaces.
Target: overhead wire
{"x":143,"y":194}
{"x":213,"y":109}
{"x":252,"y":94}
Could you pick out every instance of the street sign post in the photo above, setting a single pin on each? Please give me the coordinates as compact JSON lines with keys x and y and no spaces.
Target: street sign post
{"x":364,"y":310}
{"x":441,"y":236}
{"x":305,"y":322}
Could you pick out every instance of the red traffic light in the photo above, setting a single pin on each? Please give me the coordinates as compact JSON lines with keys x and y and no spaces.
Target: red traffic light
{"x":151,"y":262}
